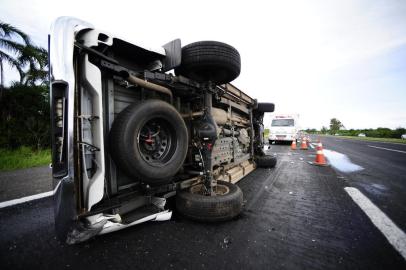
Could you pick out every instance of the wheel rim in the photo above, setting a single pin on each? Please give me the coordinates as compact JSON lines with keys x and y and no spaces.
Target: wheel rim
{"x":156,"y":142}
{"x":219,"y":189}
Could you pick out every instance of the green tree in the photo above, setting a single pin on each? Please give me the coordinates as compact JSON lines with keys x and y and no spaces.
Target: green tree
{"x":398,"y":132}
{"x":323,"y":130}
{"x":24,"y":112}
{"x":36,"y":59}
{"x":311,"y":130}
{"x":335,"y":125}
{"x":10,"y":49}
{"x":17,"y":50}
{"x":24,"y":106}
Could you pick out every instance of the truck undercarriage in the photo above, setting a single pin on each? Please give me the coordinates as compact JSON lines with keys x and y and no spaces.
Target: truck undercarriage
{"x":127,"y":134}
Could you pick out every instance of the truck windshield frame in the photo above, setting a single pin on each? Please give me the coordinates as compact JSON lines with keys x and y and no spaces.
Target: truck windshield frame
{"x":287,"y":122}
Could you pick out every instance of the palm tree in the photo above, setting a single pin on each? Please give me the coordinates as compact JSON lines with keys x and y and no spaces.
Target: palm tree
{"x":9,"y":48}
{"x":21,"y":55}
{"x":37,"y":60}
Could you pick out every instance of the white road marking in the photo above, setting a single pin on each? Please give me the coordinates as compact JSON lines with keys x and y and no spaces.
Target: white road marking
{"x":29,"y":198}
{"x":311,"y":145}
{"x":26,"y":199}
{"x":393,"y":234}
{"x":394,"y":150}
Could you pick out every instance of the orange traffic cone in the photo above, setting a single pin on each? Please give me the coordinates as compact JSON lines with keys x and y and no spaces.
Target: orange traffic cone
{"x":303,"y":145}
{"x":293,"y":146}
{"x":320,"y":160}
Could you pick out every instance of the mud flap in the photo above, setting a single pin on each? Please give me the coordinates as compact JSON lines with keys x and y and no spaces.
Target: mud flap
{"x":65,"y":208}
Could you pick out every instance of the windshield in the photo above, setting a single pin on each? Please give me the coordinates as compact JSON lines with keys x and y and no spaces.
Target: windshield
{"x":283,"y":123}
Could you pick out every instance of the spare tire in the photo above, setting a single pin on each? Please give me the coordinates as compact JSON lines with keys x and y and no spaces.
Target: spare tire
{"x":149,"y":141}
{"x":226,"y":205}
{"x":210,"y":61}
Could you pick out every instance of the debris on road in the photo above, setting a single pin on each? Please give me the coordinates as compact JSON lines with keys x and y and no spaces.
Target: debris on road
{"x":226,"y":242}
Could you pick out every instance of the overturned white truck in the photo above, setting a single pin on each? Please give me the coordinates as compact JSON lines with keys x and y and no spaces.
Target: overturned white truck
{"x":127,"y":134}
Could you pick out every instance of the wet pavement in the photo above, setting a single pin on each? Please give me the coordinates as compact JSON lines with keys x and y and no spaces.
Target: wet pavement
{"x":383,"y":177}
{"x":296,"y":216}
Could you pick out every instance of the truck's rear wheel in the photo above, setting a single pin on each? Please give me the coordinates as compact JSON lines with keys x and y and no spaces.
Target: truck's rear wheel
{"x":265,"y":107}
{"x":149,"y":141}
{"x":210,"y":61}
{"x":266,"y":161}
{"x":226,"y":205}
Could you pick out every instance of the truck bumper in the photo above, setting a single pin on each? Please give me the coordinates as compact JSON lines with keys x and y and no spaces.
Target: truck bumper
{"x":62,"y":84}
{"x":284,"y":137}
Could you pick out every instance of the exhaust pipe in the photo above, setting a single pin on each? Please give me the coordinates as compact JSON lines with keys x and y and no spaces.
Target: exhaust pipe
{"x":151,"y":86}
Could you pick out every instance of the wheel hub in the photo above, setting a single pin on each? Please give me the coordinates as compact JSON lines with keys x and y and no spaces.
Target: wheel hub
{"x":218,"y":190}
{"x":155,"y":140}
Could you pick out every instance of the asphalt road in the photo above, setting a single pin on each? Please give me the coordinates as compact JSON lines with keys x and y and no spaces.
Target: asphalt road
{"x":383,"y":179}
{"x":296,"y":216}
{"x":24,"y":182}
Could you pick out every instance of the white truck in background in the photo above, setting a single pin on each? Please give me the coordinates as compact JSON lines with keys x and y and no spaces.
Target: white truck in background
{"x":284,"y":127}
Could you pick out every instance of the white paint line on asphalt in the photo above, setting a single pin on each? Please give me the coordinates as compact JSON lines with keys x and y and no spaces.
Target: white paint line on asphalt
{"x":388,"y":149}
{"x":395,"y":236}
{"x":26,"y":199}
{"x":29,"y":198}
{"x":367,"y":141}
{"x":311,"y":145}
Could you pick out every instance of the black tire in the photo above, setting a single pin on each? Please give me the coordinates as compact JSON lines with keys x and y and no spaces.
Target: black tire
{"x":265,"y":107}
{"x":211,"y":208}
{"x":210,"y":61}
{"x":266,"y":161}
{"x":152,"y":158}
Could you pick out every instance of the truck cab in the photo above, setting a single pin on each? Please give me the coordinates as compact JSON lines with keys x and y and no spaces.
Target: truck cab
{"x":284,"y":128}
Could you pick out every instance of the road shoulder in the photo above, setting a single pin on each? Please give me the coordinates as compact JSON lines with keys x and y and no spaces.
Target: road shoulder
{"x":24,"y":182}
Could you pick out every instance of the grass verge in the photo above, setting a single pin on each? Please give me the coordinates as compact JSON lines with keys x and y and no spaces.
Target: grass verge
{"x":23,"y":157}
{"x":389,"y":140}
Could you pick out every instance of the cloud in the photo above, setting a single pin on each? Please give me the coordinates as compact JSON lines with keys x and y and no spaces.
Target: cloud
{"x":292,"y":52}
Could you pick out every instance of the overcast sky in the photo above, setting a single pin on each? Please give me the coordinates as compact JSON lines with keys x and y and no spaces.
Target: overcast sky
{"x":321,"y":59}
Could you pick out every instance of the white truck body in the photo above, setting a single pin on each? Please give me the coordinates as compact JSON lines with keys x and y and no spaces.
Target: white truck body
{"x":284,"y":127}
